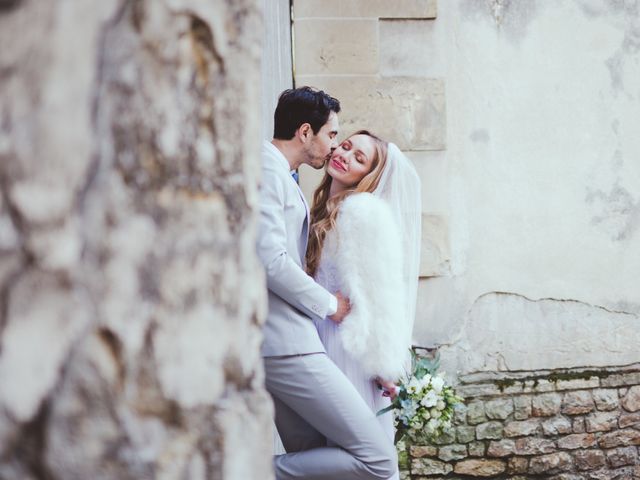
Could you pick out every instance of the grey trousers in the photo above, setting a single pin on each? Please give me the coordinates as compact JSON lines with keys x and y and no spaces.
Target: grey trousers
{"x":328,"y":430}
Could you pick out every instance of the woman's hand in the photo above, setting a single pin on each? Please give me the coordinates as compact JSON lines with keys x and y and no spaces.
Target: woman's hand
{"x":390,"y":389}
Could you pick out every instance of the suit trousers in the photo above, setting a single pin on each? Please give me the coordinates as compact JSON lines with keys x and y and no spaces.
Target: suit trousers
{"x":327,"y":429}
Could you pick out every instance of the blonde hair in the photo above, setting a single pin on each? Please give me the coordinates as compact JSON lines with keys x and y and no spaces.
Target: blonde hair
{"x":324,"y":211}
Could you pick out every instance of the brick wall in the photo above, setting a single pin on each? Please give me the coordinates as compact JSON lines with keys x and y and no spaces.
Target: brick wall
{"x":568,"y":425}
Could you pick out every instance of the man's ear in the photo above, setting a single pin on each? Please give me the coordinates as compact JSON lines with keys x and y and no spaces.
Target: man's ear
{"x":304,"y":132}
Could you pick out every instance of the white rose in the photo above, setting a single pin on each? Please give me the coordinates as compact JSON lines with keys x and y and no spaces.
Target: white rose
{"x":437,"y":383}
{"x":430,"y":399}
{"x":440,"y":405}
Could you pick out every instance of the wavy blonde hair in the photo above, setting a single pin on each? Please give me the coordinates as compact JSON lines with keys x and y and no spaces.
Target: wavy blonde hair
{"x":324,"y":211}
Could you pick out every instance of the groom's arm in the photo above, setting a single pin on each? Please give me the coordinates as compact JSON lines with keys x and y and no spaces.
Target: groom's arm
{"x":284,"y":277}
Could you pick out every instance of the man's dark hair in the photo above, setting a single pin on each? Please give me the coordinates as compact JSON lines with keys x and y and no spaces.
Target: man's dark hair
{"x":302,"y":105}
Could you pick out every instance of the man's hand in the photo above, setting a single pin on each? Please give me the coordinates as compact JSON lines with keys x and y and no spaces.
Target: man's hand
{"x":344,"y":307}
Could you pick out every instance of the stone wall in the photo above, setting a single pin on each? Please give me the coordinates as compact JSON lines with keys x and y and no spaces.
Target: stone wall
{"x":128,"y":191}
{"x":360,"y":52}
{"x":561,"y":425}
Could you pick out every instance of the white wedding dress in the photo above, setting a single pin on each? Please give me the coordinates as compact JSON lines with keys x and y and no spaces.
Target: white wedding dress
{"x":327,"y":276}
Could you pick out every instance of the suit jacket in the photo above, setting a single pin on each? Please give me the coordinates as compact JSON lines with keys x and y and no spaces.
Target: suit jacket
{"x":295,"y":299}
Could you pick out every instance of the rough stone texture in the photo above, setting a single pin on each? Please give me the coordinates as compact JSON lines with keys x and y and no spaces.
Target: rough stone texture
{"x":575,"y":403}
{"x":578,"y":383}
{"x":606,"y":399}
{"x":517,"y":465}
{"x":465,"y":434}
{"x":522,"y":428}
{"x":629,"y":420}
{"x":553,"y":463}
{"x":480,"y":468}
{"x":128,"y":196}
{"x":577,"y":440}
{"x":477,"y":449}
{"x":556,"y":425}
{"x":365,"y":8}
{"x":619,"y":438}
{"x":533,"y":446}
{"x":336,"y":46}
{"x":416,"y":105}
{"x":499,"y":409}
{"x":619,"y":457}
{"x":521,"y":407}
{"x":503,"y":448}
{"x":589,"y":459}
{"x":579,"y":425}
{"x":452,"y":452}
{"x":475,"y":413}
{"x":427,"y":466}
{"x":601,"y":421}
{"x":419,"y":451}
{"x":546,"y":405}
{"x":631,"y":401}
{"x":489,"y":430}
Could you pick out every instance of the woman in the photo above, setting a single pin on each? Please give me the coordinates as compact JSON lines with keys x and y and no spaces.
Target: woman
{"x":365,"y":242}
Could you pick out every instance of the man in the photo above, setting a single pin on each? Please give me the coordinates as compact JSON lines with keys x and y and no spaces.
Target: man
{"x":327,"y":429}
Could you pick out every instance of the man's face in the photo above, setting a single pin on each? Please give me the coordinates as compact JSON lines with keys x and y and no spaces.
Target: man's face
{"x":323,"y":143}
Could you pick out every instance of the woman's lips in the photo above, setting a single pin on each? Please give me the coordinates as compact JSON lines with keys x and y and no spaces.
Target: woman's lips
{"x":338,"y":166}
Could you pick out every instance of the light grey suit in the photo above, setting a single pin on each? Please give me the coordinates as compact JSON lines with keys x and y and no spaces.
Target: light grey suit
{"x":315,"y":403}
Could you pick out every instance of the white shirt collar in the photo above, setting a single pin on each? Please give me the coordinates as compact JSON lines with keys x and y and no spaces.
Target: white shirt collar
{"x":277,"y":154}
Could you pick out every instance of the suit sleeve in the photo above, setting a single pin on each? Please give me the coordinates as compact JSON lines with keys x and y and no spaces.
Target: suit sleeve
{"x":285,"y":277}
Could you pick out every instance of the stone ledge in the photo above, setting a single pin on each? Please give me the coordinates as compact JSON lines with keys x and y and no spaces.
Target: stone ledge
{"x":365,"y":8}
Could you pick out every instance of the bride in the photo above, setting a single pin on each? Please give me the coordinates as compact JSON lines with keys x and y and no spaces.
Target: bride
{"x":365,"y":242}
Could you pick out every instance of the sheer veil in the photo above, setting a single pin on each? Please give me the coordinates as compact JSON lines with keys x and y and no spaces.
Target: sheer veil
{"x":400,"y":187}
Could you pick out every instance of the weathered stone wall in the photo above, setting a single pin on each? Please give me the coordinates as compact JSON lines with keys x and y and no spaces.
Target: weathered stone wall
{"x":130,"y":295}
{"x":562,"y":425}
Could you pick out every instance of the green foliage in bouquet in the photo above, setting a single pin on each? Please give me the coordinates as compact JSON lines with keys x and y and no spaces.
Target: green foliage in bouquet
{"x":424,"y":404}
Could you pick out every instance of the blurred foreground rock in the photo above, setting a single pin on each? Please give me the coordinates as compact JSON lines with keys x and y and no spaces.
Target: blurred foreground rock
{"x":130,"y":297}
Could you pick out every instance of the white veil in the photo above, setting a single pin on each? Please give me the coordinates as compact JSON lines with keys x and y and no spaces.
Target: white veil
{"x":399,"y":186}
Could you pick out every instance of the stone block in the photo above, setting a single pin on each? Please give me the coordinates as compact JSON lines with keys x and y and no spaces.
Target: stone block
{"x":465,"y":434}
{"x":480,"y":468}
{"x":556,"y":426}
{"x":460,"y":414}
{"x":365,"y":8}
{"x":629,"y":420}
{"x":427,"y":466}
{"x":503,"y":448}
{"x":546,"y":404}
{"x":533,"y":446}
{"x":419,"y":451}
{"x":619,"y":438}
{"x":522,"y":407}
{"x":452,"y":452}
{"x":624,"y":473}
{"x":476,"y":449}
{"x":517,"y":465}
{"x":552,"y":463}
{"x":606,"y":399}
{"x":447,"y":436}
{"x":499,"y":409}
{"x":475,"y":413}
{"x":576,"y":403}
{"x":435,"y":255}
{"x":578,"y":383}
{"x":601,"y":421}
{"x":408,"y":47}
{"x":589,"y":459}
{"x":432,"y":168}
{"x":489,"y":430}
{"x":579,"y":425}
{"x":577,"y":440}
{"x":336,"y":46}
{"x":621,"y":379}
{"x":522,"y":428}
{"x":619,"y":457}
{"x":566,"y":476}
{"x":407,"y":111}
{"x":631,"y":401}
{"x":539,"y":386}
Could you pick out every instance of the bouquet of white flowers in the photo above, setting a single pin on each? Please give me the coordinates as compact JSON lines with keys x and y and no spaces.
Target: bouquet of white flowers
{"x":424,"y":403}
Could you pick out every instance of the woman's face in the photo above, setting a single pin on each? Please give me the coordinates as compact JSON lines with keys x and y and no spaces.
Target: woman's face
{"x":352,"y":160}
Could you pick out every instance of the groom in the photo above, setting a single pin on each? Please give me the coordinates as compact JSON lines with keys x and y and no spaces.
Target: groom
{"x":328,"y":431}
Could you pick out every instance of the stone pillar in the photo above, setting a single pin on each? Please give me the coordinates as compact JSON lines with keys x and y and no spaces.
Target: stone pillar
{"x":130,"y":295}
